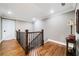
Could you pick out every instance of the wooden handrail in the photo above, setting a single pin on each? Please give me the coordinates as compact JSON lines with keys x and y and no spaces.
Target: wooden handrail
{"x":34,"y":32}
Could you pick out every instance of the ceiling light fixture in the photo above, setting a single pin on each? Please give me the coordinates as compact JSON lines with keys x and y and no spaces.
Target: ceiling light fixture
{"x":51,"y":11}
{"x":34,"y":19}
{"x":9,"y":12}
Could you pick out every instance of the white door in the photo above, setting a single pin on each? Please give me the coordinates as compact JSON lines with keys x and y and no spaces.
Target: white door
{"x":8,"y":29}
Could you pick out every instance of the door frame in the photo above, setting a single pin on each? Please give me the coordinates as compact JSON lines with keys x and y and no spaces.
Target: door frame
{"x":2,"y":25}
{"x":1,"y":28}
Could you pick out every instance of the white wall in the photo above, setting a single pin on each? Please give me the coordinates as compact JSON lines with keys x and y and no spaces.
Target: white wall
{"x":56,"y":27}
{"x":0,"y":28}
{"x":24,"y":25}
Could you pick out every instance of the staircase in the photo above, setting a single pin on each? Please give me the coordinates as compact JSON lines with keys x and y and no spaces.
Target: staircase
{"x":30,"y":40}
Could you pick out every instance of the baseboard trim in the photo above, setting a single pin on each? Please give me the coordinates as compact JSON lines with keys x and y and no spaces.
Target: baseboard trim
{"x":56,"y":42}
{"x":0,"y":41}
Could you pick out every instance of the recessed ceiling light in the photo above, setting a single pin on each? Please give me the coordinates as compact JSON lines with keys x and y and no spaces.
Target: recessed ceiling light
{"x":34,"y":19}
{"x":51,"y":11}
{"x":9,"y":12}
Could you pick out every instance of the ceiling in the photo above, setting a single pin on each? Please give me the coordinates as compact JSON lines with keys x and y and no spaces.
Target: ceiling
{"x":27,"y":11}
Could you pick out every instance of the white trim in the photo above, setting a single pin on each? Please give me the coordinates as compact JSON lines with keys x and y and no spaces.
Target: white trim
{"x":56,"y":41}
{"x":0,"y":41}
{"x":45,"y":41}
{"x":70,"y":45}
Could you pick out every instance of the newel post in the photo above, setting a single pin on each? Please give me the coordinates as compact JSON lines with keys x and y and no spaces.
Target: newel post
{"x":26,"y":49}
{"x":18,"y":35}
{"x":42,"y":37}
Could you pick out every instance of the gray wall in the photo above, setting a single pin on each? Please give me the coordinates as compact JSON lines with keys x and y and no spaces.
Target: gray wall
{"x":56,"y":28}
{"x":77,"y":35}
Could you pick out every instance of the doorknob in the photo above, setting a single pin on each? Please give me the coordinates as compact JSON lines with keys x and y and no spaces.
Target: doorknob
{"x":4,"y":31}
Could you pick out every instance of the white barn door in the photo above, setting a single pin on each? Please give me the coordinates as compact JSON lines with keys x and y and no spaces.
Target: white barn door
{"x":8,"y":29}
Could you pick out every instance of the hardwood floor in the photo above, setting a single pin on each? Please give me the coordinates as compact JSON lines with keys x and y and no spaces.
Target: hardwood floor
{"x":12,"y":48}
{"x":49,"y":49}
